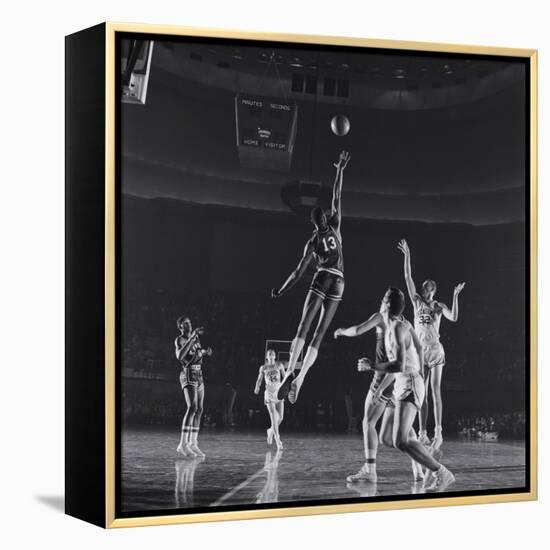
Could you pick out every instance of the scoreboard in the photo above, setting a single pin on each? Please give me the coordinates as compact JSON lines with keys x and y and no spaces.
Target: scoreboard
{"x":265,"y":131}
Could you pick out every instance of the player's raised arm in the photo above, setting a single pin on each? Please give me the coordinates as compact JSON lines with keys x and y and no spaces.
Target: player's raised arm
{"x":411,"y":288}
{"x":398,"y":365}
{"x":452,"y":314}
{"x":373,"y":321}
{"x":259,"y":380}
{"x":340,"y":166}
{"x":297,"y":273}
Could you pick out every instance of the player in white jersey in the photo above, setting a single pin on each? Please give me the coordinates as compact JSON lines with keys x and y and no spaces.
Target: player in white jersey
{"x":379,"y":400}
{"x":427,"y":319}
{"x":405,"y":355}
{"x":272,"y":374}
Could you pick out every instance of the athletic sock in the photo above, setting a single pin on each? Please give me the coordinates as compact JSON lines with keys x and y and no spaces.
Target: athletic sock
{"x":184,"y":435}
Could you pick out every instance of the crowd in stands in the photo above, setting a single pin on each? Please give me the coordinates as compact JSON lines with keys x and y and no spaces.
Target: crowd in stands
{"x":225,"y":287}
{"x":237,"y":326}
{"x":510,"y":425}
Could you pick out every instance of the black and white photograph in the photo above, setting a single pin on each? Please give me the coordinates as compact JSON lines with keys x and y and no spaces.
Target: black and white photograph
{"x":323,"y":275}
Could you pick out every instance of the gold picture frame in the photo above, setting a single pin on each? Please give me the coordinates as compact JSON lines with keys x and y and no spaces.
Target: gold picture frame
{"x":109,"y":519}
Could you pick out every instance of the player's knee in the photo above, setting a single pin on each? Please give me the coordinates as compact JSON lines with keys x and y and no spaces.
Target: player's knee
{"x":368,"y":424}
{"x":199,"y":409}
{"x":400,"y":442}
{"x":386,"y":439}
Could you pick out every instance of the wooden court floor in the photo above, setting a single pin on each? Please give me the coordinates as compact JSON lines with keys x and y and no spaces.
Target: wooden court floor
{"x":241,"y":469}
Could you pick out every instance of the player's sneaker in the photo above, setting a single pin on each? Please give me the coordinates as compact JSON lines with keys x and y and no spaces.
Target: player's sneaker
{"x":363,"y":476}
{"x":295,"y":390}
{"x":443,"y":478}
{"x":269,"y":436}
{"x":195,"y":449}
{"x":186,"y":451}
{"x":424,"y":439}
{"x":285,"y":387}
{"x":428,"y":479}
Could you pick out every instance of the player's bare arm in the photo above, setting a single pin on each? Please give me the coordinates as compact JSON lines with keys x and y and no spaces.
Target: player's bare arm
{"x":375,"y":320}
{"x":411,"y":288}
{"x":298,"y":273}
{"x":336,"y":209}
{"x":259,"y":380}
{"x":183,"y":345}
{"x":452,"y":314}
{"x":398,"y":365}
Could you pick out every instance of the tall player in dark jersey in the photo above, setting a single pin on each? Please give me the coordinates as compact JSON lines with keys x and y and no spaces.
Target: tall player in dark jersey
{"x":326,"y":290}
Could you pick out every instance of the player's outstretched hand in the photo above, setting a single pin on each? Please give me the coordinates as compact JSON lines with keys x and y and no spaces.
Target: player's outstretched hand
{"x":343,"y":160}
{"x":364,"y":364}
{"x":275,"y":293}
{"x":458,"y":288}
{"x":404,"y":247}
{"x":337,"y":332}
{"x":208,"y":351}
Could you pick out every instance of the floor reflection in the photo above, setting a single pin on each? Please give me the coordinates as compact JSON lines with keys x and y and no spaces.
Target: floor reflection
{"x":185,"y":481}
{"x":363,"y":488}
{"x":270,"y":491}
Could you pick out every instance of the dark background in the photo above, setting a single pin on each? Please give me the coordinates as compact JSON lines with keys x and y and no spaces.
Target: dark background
{"x":438,"y":158}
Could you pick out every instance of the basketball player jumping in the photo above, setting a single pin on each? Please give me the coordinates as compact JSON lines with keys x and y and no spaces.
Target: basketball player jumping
{"x":327,"y":287}
{"x":190,"y":353}
{"x":405,"y":355}
{"x":427,"y":319}
{"x":272,"y":373}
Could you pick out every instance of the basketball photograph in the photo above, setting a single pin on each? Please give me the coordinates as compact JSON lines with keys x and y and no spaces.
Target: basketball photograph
{"x":322,"y":275}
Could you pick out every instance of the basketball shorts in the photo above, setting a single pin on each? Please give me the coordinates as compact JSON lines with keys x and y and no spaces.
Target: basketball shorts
{"x":381,"y":357}
{"x":328,"y":286}
{"x":270,"y":394}
{"x":410,"y":387}
{"x":434,"y":355}
{"x":191,"y":376}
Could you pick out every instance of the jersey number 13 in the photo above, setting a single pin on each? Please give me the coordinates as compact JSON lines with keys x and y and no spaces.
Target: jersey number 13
{"x":329,"y":244}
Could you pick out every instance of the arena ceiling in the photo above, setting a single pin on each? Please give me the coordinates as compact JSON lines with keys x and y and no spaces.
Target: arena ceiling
{"x":432,"y":138}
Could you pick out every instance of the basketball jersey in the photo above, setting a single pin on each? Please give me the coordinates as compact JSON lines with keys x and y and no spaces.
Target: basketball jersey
{"x":427,"y":318}
{"x":272,"y":375}
{"x":412,"y":362}
{"x":192,"y":357}
{"x":327,"y":250}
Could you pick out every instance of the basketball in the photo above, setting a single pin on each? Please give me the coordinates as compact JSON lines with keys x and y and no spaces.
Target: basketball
{"x":340,"y":125}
